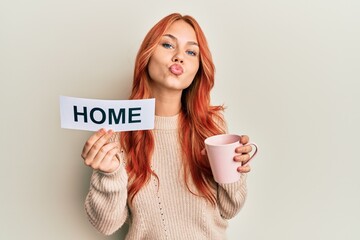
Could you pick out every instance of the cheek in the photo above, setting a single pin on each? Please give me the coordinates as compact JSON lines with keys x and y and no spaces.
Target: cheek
{"x":191,"y":75}
{"x":194,"y":69}
{"x":153,"y":68}
{"x":157,"y":63}
{"x":150,"y":68}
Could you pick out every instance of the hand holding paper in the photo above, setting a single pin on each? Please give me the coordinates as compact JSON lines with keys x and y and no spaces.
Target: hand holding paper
{"x":100,"y":154}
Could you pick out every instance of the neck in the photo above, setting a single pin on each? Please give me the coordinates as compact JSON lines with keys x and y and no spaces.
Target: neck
{"x":167,"y":104}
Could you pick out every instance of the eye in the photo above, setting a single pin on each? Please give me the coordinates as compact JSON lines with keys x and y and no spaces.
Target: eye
{"x":191,"y":53}
{"x":167,"y":45}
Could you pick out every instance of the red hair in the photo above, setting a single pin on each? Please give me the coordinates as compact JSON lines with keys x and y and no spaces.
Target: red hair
{"x":197,"y":119}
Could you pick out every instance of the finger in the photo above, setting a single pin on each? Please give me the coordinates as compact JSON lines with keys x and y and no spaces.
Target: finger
{"x":244,"y":169}
{"x":203,"y":152}
{"x":244,"y":149}
{"x":100,"y":156}
{"x":90,"y":142}
{"x":110,"y":162}
{"x":98,"y":145}
{"x":243,"y":158}
{"x":244,"y":139}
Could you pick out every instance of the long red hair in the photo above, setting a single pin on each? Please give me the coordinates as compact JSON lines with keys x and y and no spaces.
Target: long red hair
{"x":197,"y":119}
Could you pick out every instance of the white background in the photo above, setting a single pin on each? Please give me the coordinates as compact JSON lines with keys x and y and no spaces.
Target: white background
{"x":288,"y":72}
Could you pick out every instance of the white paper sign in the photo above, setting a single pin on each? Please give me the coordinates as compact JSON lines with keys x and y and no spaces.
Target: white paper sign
{"x":118,"y":115}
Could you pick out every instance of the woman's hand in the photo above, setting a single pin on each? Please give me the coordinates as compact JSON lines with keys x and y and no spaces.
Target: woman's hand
{"x":99,"y":154}
{"x":244,"y":154}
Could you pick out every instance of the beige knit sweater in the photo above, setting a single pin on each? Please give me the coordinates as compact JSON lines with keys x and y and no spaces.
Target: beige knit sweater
{"x":164,"y":209}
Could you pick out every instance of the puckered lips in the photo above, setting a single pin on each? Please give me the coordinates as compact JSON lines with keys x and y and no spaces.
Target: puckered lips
{"x":176,"y":69}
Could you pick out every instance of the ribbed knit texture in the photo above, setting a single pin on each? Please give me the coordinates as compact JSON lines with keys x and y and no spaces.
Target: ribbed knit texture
{"x":163,"y":209}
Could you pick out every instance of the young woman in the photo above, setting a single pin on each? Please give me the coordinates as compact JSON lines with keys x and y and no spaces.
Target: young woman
{"x":159,"y":181}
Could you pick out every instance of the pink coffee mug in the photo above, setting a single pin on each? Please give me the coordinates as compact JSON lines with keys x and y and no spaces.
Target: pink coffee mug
{"x":221,"y":152}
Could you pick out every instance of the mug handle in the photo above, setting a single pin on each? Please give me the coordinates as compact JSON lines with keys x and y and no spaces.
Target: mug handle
{"x":253,"y":155}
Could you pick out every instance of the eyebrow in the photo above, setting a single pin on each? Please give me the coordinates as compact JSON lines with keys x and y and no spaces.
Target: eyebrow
{"x":174,"y":38}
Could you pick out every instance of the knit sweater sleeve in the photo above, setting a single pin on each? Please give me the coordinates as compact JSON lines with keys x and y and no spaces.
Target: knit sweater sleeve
{"x":231,"y":197}
{"x":106,"y":201}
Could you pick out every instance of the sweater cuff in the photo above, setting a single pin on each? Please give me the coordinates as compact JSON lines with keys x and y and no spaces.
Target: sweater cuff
{"x":236,"y":185}
{"x":110,"y":182}
{"x":111,"y":174}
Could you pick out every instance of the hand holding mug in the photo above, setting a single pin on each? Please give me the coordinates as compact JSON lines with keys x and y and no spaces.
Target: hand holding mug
{"x":229,"y":155}
{"x":243,"y":155}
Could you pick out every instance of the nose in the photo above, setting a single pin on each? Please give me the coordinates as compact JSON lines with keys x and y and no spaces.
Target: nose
{"x":177,"y":59}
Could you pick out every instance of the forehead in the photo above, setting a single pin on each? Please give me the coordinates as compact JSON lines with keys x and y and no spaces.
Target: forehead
{"x":182,"y":31}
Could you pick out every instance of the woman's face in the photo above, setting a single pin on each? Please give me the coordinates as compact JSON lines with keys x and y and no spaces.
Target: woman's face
{"x":175,"y":60}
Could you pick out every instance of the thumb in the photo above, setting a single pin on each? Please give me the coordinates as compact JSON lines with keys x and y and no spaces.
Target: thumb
{"x":203,"y":152}
{"x":244,"y":139}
